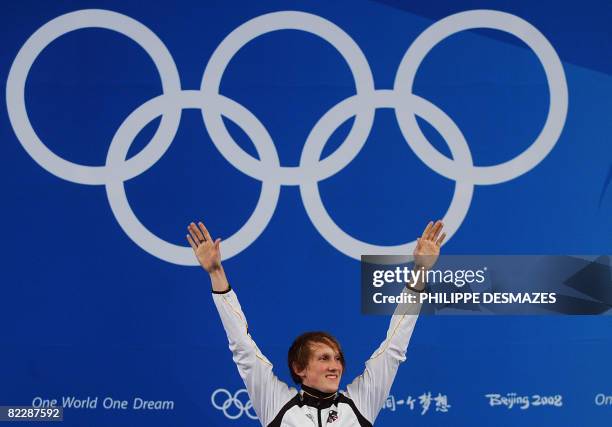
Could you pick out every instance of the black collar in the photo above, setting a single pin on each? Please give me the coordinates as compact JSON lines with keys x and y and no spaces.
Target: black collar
{"x":318,"y":399}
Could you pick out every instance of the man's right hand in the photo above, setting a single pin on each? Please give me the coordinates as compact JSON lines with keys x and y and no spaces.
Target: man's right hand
{"x":207,"y":250}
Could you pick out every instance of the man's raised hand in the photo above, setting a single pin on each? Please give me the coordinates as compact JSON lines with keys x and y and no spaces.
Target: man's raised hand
{"x":207,"y":250}
{"x":428,"y":245}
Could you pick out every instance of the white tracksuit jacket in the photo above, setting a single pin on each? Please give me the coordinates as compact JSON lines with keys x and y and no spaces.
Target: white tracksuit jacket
{"x":277,"y":404}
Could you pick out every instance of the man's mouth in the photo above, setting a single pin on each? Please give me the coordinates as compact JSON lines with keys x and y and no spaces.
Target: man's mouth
{"x":332,"y":376}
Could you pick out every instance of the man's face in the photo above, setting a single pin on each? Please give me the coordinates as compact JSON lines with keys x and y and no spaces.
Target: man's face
{"x":324,"y":368}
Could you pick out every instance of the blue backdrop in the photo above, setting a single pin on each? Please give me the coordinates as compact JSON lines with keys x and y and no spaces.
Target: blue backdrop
{"x":94,"y":305}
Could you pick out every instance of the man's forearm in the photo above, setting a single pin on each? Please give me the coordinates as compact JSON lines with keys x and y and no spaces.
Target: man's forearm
{"x":219,"y":280}
{"x":420,"y":283}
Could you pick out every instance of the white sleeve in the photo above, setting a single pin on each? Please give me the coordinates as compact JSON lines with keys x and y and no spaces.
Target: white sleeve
{"x":268,"y":394}
{"x":370,"y":390}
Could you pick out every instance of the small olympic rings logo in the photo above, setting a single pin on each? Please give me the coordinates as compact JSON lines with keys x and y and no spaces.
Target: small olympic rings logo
{"x":267,"y":168}
{"x":233,"y":402}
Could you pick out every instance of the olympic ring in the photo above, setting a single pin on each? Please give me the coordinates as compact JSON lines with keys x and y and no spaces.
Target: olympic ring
{"x":364,"y":82}
{"x":15,"y":93}
{"x":382,"y":98}
{"x":484,"y":175}
{"x":267,"y":168}
{"x":243,"y":408}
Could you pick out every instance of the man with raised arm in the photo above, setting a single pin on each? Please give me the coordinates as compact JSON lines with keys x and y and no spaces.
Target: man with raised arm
{"x":315,"y":359}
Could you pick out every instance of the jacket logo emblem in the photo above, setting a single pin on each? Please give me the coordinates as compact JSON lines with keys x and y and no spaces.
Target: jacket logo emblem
{"x":333,"y":416}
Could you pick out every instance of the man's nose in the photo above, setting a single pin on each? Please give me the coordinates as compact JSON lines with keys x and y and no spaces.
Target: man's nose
{"x":334,"y":366}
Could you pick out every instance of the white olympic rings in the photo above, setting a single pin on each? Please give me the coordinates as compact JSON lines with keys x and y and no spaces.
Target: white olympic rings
{"x":243,"y":408}
{"x":267,"y":168}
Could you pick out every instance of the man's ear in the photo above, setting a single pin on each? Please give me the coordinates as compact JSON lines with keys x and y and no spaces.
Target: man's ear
{"x":299,"y":372}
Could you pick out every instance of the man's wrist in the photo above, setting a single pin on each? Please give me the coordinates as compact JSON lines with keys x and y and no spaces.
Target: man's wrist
{"x":420,"y":285}
{"x":215,"y":270}
{"x":216,"y":273}
{"x":218,"y":280}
